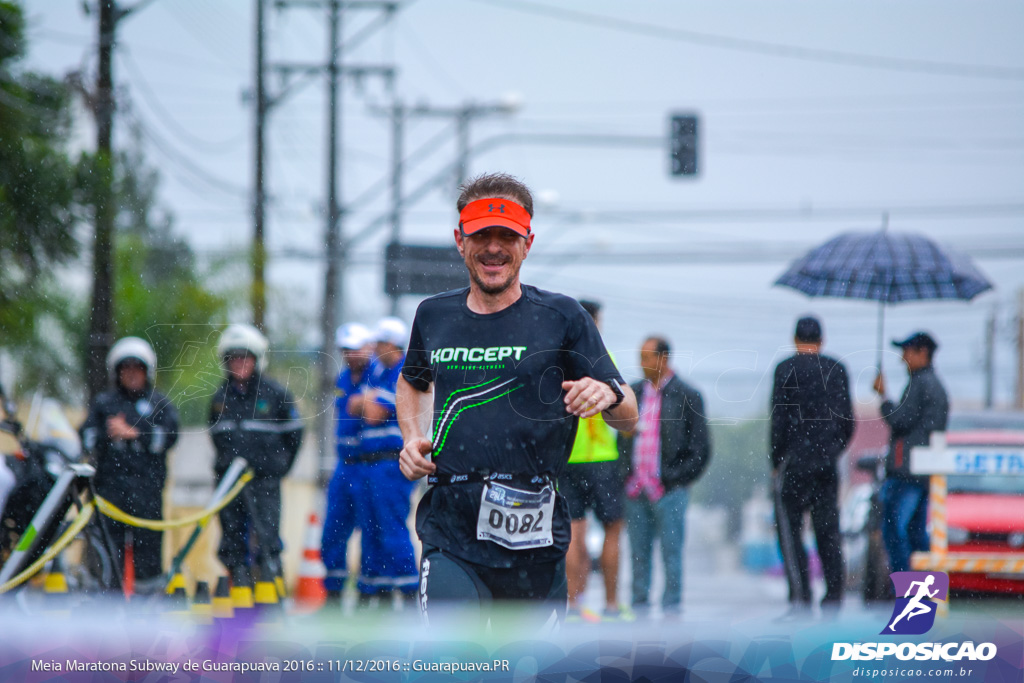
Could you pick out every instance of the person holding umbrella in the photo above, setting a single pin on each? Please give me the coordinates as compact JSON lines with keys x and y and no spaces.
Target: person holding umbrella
{"x":923,"y":409}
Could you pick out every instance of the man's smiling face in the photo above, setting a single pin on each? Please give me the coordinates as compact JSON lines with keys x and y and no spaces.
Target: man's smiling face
{"x":493,"y":257}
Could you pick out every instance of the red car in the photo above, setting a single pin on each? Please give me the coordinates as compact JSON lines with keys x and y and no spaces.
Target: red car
{"x":986,"y":513}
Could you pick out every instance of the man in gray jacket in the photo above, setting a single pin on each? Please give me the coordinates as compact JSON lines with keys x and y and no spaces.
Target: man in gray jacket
{"x":923,"y":409}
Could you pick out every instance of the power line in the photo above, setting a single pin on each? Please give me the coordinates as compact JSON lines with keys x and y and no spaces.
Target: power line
{"x":411,"y":40}
{"x":669,"y":254}
{"x":786,"y":105}
{"x":153,"y":101}
{"x":763,"y":47}
{"x":685,"y":218}
{"x":182,"y":160}
{"x":66,"y":38}
{"x":772,"y":214}
{"x":423,"y":151}
{"x":212,"y":41}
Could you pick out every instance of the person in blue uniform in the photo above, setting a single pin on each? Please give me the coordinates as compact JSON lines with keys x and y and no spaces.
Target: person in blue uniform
{"x":388,"y":559}
{"x":345,"y":492}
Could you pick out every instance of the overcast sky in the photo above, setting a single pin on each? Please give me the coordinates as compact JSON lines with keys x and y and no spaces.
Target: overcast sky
{"x":815,"y":119}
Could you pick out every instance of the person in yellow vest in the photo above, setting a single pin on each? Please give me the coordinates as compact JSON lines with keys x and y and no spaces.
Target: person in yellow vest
{"x":593,"y":481}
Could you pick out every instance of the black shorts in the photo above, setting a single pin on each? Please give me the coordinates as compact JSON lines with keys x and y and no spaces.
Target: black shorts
{"x":597,"y":486}
{"x":449,"y":582}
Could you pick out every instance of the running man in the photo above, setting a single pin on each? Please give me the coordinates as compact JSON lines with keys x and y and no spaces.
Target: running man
{"x":915,"y":607}
{"x":512,"y":368}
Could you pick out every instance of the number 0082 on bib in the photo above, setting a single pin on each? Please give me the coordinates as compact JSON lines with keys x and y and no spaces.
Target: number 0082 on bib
{"x":514,"y":518}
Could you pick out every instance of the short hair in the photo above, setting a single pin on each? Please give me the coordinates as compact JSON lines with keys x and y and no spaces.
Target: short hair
{"x":808,"y":330}
{"x":591,"y":307}
{"x":661,"y":346}
{"x":495,"y":185}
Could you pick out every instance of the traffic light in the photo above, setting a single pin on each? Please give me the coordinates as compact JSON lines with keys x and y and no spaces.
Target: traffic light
{"x":684,"y":144}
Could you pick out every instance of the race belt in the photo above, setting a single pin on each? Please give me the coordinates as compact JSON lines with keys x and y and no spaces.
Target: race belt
{"x":531,"y":480}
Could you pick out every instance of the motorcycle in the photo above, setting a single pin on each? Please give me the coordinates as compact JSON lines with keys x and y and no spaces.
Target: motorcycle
{"x":35,"y":454}
{"x":861,"y":526}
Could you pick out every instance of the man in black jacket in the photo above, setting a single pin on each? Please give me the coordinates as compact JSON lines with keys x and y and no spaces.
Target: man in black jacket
{"x":923,"y":409}
{"x":254,"y":417}
{"x":668,"y":452}
{"x":127,"y":434}
{"x":811,"y":424}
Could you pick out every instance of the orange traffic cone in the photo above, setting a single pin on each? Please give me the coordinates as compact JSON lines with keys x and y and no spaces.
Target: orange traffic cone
{"x":310,"y":593}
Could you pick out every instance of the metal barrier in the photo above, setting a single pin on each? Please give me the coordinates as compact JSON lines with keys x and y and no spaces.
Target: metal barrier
{"x":74,"y":487}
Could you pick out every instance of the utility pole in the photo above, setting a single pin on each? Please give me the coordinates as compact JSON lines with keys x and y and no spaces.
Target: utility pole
{"x":397,"y":151}
{"x":333,"y":294}
{"x":101,"y":316}
{"x":990,"y":357}
{"x":1019,"y":398}
{"x":335,"y":247}
{"x":462,"y":119}
{"x":259,"y":249}
{"x":267,"y":101}
{"x":463,"y":116}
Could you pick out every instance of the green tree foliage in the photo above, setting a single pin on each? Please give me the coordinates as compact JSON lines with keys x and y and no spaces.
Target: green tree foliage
{"x":160,"y":292}
{"x":36,"y":190}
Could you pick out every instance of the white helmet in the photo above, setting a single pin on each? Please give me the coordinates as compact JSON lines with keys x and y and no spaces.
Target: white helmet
{"x":352,"y":336}
{"x":393,"y":331}
{"x":244,"y":338}
{"x":136,"y":349}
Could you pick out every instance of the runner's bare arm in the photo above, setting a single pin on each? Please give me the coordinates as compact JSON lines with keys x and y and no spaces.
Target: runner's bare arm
{"x":587,"y":397}
{"x":414,"y":409}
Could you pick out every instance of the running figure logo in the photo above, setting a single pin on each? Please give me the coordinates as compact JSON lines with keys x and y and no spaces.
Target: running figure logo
{"x":914,"y":613}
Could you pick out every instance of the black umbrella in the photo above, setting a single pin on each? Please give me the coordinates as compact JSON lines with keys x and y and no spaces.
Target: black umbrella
{"x":883,"y":266}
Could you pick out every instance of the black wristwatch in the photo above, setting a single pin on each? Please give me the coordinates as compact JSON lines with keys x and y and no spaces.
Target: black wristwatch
{"x":620,"y":395}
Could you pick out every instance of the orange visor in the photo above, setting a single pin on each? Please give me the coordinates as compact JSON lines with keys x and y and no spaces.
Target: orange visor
{"x":492,"y":212}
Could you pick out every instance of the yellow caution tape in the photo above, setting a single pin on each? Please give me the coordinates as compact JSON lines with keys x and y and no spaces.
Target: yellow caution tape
{"x":119,"y":515}
{"x":84,"y":515}
{"x":112,"y":511}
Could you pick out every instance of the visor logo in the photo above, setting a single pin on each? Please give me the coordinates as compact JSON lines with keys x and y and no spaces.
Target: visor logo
{"x":916,"y":596}
{"x":501,"y":208}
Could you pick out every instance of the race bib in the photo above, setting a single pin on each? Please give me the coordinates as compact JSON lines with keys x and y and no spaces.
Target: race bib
{"x":514,"y":518}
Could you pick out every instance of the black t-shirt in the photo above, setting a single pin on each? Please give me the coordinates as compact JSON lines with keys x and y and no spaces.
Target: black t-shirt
{"x":498,"y":406}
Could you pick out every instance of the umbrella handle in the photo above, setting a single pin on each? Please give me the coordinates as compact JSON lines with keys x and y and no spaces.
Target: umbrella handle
{"x":881,"y":331}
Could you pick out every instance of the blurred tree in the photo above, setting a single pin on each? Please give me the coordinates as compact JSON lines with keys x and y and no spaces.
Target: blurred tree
{"x":739,"y":461}
{"x":36,"y":192}
{"x":161,"y":291}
